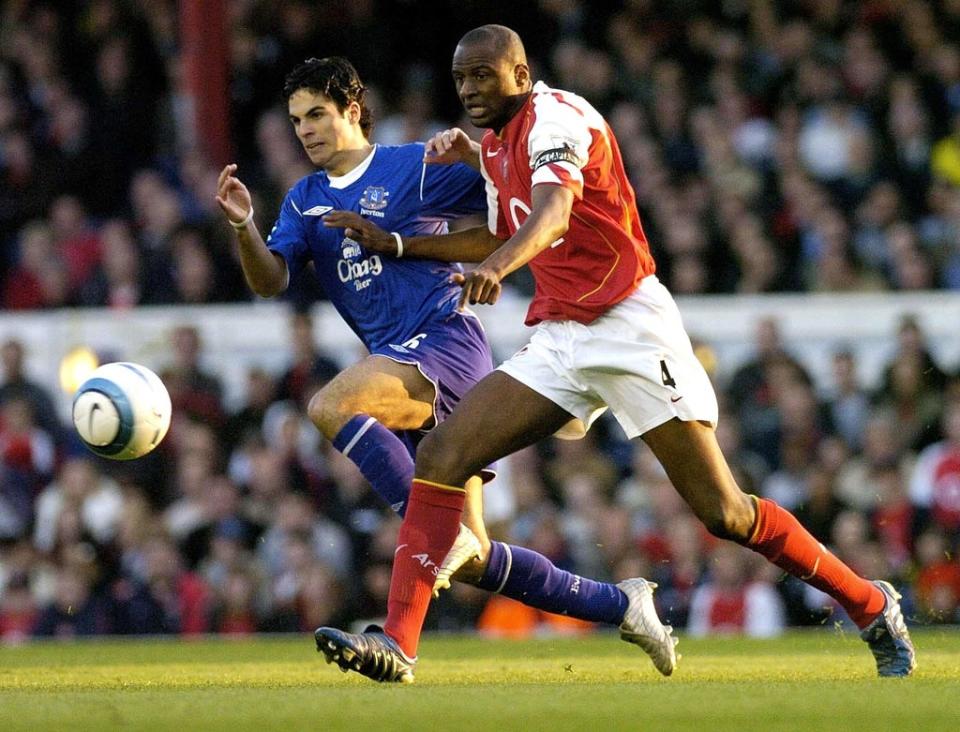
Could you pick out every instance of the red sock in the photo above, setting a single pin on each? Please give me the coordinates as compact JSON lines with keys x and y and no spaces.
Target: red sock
{"x":428,"y":531}
{"x":779,"y":537}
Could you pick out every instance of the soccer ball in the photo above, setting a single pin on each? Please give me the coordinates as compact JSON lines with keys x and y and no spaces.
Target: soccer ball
{"x":122,"y":411}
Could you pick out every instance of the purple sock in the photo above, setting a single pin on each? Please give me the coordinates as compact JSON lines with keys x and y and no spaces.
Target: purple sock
{"x":382,"y":457}
{"x":531,"y":578}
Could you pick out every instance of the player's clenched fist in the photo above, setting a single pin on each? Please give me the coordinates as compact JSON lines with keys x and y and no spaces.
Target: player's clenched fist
{"x":362,"y":231}
{"x":233,"y":196}
{"x":480,"y":287}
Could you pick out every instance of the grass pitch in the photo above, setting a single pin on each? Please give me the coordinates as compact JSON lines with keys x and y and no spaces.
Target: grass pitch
{"x":818,"y":681}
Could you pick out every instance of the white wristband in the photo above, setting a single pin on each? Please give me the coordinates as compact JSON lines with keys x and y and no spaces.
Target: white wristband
{"x":243,"y":224}
{"x":396,"y":236}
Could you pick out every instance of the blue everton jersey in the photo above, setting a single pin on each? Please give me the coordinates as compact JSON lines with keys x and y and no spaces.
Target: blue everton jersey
{"x":384,"y":300}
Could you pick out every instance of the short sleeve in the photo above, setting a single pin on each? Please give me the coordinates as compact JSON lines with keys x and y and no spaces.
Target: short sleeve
{"x":559,"y":141}
{"x":288,"y":237}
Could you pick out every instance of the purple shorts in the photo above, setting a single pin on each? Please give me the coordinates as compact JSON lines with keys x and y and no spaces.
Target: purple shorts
{"x":453,"y":355}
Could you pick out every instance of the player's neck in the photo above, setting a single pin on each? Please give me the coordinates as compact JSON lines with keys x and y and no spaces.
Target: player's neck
{"x":346,"y":160}
{"x":517,"y":104}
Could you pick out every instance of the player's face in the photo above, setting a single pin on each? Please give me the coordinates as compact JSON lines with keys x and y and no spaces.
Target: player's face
{"x":322,"y":129}
{"x":490,"y":88}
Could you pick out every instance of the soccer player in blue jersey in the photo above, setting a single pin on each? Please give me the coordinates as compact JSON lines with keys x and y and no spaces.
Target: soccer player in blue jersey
{"x":425,"y":353}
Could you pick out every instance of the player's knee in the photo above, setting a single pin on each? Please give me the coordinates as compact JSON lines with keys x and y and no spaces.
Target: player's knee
{"x":730,"y":519}
{"x":326,"y":412}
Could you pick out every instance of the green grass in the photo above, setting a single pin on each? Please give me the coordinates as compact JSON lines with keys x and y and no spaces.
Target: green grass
{"x":812,"y":681}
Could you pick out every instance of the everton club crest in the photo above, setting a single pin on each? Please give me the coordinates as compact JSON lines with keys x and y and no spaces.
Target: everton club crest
{"x":374,"y":198}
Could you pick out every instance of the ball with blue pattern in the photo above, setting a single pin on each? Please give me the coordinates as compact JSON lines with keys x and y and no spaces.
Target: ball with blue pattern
{"x":122,"y":411}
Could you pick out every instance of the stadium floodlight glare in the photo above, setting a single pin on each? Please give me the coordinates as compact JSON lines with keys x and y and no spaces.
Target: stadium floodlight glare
{"x":78,"y":363}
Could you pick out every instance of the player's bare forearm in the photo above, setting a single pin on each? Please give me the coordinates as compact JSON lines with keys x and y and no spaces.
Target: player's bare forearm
{"x":548,"y":221}
{"x":468,"y":245}
{"x":265,"y":271}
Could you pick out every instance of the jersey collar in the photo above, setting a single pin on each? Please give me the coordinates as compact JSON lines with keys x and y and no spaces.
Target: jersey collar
{"x":521,"y":113}
{"x":348,"y":179}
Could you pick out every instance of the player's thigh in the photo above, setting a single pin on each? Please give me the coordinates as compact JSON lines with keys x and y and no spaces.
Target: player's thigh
{"x":639,"y":360}
{"x":497,"y":417}
{"x":691,"y":456}
{"x":396,"y":394}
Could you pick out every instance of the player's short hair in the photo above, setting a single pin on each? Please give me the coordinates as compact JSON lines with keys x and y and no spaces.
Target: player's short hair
{"x":334,"y":77}
{"x":504,"y":41}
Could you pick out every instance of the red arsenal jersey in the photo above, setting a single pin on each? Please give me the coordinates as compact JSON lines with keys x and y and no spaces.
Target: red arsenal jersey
{"x":557,"y":138}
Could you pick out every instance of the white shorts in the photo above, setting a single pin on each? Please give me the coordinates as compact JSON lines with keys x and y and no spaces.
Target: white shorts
{"x":635,"y":359}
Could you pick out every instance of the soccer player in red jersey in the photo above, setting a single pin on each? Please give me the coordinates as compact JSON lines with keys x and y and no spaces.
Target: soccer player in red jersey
{"x":607,"y":335}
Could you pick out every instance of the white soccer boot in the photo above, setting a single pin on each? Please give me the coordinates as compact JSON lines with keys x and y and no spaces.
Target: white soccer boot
{"x":466,"y":547}
{"x":642,"y":626}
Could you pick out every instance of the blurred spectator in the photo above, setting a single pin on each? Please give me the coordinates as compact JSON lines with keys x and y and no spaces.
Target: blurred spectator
{"x":935,"y":483}
{"x":820,"y":507}
{"x":247,"y":421}
{"x":194,"y":392}
{"x":321,"y":538}
{"x":234,"y":610}
{"x":27,"y":459}
{"x":182,"y":597}
{"x":76,"y":609}
{"x":39,"y":278}
{"x":678,"y":571}
{"x":227,"y":551}
{"x":77,"y":241}
{"x":849,"y":404}
{"x":757,"y":388}
{"x":310,"y":369}
{"x":18,"y":611}
{"x":856,"y":482}
{"x":321,"y":598}
{"x":912,"y":347}
{"x":118,"y":280}
{"x":79,"y":486}
{"x":938,"y":579}
{"x":909,"y":398}
{"x":733,"y":602}
{"x":894,"y":519}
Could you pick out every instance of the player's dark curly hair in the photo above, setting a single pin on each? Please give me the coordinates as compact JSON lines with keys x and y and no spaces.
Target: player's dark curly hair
{"x":334,"y":77}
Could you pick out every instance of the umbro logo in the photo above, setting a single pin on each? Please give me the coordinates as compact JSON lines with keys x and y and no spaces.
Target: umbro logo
{"x":317,"y":210}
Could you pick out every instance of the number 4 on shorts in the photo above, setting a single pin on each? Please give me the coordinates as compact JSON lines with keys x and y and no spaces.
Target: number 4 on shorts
{"x":665,"y":375}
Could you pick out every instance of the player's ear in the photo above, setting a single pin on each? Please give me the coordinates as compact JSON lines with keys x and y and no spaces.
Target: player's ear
{"x":521,"y":75}
{"x":353,"y":113}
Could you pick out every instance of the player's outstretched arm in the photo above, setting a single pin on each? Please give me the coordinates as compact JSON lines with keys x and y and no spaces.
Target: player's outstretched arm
{"x":452,"y":146}
{"x":468,"y":245}
{"x":265,"y":272}
{"x":546,"y":224}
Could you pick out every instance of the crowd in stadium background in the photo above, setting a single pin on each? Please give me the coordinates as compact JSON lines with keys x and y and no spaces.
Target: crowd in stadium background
{"x":811,"y":145}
